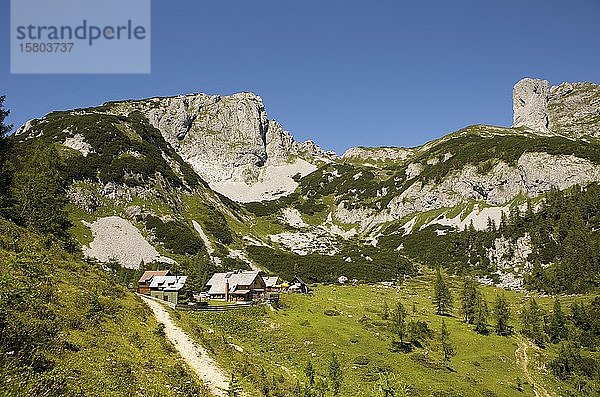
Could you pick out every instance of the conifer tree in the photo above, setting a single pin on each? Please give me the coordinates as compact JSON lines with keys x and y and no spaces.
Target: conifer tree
{"x":502,"y":315}
{"x":557,"y":326}
{"x":481,"y":314}
{"x":399,"y":321}
{"x":4,"y":175}
{"x":447,"y":347}
{"x":4,"y":128}
{"x":442,"y":297}
{"x":532,"y":322}
{"x":335,"y":374}
{"x":309,"y":371}
{"x":37,"y":192}
{"x":468,"y":297}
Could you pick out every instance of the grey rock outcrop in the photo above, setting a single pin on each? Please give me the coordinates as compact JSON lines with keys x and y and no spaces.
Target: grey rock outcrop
{"x":224,"y":138}
{"x":530,"y":104}
{"x":569,"y":109}
{"x":534,"y":174}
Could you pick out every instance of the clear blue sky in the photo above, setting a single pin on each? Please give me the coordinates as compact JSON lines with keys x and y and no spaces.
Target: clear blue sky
{"x":343,"y":73}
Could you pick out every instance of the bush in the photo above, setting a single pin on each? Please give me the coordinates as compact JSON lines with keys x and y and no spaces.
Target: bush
{"x":361,"y":360}
{"x":176,"y":236}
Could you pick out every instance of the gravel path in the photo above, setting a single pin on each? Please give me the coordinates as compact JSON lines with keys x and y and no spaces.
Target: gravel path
{"x":193,"y":354}
{"x":523,"y":362}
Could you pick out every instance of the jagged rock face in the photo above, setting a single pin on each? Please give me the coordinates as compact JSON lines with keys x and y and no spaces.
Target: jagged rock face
{"x":530,"y":104}
{"x":570,"y":109}
{"x":220,"y":137}
{"x":227,"y":140}
{"x":534,"y":174}
{"x":574,"y":109}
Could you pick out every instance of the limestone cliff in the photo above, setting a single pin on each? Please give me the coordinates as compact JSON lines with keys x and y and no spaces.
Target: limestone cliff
{"x":530,"y":104}
{"x":571,"y":109}
{"x":230,"y":142}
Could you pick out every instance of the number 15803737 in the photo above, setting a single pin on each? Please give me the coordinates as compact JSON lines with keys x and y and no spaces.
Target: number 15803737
{"x":46,"y":47}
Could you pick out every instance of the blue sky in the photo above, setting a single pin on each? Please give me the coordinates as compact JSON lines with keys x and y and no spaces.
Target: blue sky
{"x":343,"y":73}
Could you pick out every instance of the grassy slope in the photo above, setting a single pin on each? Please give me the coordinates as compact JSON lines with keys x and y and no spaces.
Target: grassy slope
{"x":484,"y":365}
{"x":67,"y":329}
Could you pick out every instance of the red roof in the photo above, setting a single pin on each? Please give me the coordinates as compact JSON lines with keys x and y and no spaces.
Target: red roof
{"x":148,"y":274}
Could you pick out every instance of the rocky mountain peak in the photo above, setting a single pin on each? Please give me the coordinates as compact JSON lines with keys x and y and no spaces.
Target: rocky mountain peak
{"x":229,"y":140}
{"x":530,"y":104}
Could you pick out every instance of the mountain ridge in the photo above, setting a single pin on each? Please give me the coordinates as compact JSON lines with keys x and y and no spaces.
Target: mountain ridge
{"x":170,"y":167}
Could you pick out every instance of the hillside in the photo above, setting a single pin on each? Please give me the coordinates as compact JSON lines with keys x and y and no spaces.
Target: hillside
{"x":68,"y":328}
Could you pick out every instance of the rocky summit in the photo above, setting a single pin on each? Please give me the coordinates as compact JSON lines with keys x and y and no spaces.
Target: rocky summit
{"x":530,"y":104}
{"x":229,"y":141}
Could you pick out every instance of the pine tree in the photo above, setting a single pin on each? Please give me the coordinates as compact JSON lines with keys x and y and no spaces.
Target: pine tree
{"x":502,"y":315}
{"x":399,"y":321}
{"x":491,"y":225}
{"x":557,"y":326}
{"x":4,"y":128}
{"x":532,"y":322}
{"x":481,"y":314}
{"x":564,"y":363}
{"x":309,"y":371}
{"x":442,"y":296}
{"x":447,"y":347}
{"x":469,"y":293}
{"x":503,"y":222}
{"x":335,"y":374}
{"x":573,"y":272}
{"x":38,"y":194}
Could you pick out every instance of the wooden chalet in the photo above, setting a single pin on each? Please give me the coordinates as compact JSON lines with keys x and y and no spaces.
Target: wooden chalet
{"x":236,"y":286}
{"x":146,"y":279}
{"x":273,"y":284}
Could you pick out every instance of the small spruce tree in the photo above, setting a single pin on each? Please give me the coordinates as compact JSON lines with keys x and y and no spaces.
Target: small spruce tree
{"x":309,"y":372}
{"x":532,"y":322}
{"x":447,"y":347}
{"x":399,"y":321}
{"x":502,"y":316}
{"x":481,"y":314}
{"x":335,"y":374}
{"x":557,"y":326}
{"x":442,"y":297}
{"x":468,"y":297}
